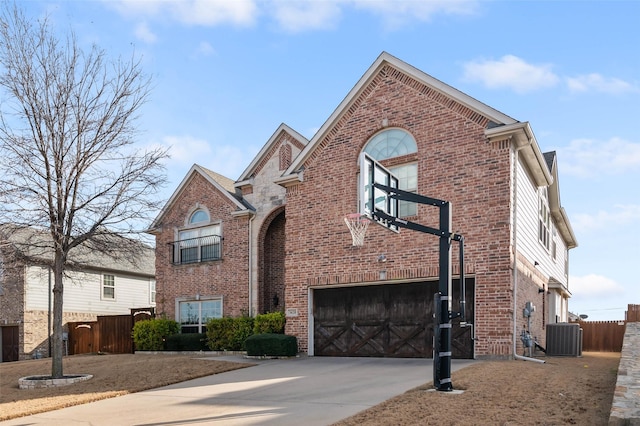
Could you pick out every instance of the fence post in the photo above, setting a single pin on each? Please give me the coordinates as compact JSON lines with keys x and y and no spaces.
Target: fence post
{"x":633,"y":313}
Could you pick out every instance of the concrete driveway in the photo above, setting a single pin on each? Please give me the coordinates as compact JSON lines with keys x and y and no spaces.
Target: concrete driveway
{"x":298,"y":391}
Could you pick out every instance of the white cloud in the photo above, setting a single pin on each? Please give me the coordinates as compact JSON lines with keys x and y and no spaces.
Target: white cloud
{"x":590,"y":158}
{"x":291,"y":15}
{"x":597,"y":83}
{"x":511,"y":72}
{"x":594,"y":286}
{"x":620,"y":215}
{"x":191,"y":12}
{"x":184,"y":151}
{"x":297,"y":16}
{"x":144,"y":33}
{"x":396,"y":13}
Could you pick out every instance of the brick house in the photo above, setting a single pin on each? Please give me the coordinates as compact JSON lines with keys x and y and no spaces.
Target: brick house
{"x":94,"y":284}
{"x":275,"y":238}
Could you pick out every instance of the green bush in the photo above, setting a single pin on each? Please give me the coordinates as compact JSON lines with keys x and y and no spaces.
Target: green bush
{"x":186,"y":342}
{"x":272,"y":322}
{"x":271,"y":344}
{"x":228,"y":334}
{"x":148,"y":335}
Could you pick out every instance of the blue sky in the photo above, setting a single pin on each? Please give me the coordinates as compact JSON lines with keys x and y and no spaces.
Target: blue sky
{"x":227,"y":73}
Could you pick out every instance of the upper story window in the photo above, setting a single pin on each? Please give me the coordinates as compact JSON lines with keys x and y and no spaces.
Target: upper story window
{"x":108,"y":287}
{"x":394,"y":143}
{"x":199,"y":216}
{"x":200,"y":241}
{"x":152,"y":291}
{"x":544,"y":218}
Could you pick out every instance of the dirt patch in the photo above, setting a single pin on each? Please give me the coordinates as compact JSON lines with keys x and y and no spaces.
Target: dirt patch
{"x":113,"y":375}
{"x":563,"y":391}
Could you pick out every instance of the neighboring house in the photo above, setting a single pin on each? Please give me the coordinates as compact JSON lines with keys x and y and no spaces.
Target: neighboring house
{"x":275,"y":238}
{"x":94,"y":284}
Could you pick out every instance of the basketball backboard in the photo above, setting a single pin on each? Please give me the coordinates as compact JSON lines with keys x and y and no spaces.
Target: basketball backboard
{"x":375,"y":199}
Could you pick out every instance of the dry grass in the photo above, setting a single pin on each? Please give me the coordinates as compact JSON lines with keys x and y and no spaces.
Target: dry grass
{"x":567,"y":390}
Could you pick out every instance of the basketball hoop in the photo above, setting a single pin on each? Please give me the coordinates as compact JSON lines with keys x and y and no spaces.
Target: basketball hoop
{"x":358,"y":225}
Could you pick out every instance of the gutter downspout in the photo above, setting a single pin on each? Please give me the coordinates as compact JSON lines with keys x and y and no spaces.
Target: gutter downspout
{"x":251,"y":265}
{"x":515,"y":255}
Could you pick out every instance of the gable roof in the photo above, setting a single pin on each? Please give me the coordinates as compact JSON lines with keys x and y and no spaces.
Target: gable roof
{"x":500,"y":127}
{"x":266,"y":151}
{"x":294,"y":172}
{"x":107,"y":251}
{"x":223,"y":184}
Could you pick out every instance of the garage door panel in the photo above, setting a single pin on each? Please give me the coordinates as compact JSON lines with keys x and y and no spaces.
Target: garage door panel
{"x":393,"y":320}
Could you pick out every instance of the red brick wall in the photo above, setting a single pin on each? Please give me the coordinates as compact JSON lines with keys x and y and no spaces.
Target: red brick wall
{"x":228,"y":277}
{"x":455,"y":163}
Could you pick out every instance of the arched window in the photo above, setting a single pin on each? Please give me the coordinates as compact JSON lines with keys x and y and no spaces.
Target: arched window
{"x":199,"y":216}
{"x":393,"y":143}
{"x":199,"y":241}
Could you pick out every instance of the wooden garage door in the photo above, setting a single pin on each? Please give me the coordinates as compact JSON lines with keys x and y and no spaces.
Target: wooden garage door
{"x":394,"y":320}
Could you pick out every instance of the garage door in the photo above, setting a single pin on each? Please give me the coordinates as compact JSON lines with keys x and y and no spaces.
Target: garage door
{"x":393,"y":320}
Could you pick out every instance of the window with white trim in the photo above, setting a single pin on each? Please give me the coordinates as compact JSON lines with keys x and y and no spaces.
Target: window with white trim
{"x":194,"y":314}
{"x":152,"y":291}
{"x":198,"y":244}
{"x":393,"y":143}
{"x":108,"y":287}
{"x":544,"y":218}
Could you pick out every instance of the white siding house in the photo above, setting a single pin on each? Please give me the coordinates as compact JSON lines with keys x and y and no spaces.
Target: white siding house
{"x":539,"y":234}
{"x":95,"y":285}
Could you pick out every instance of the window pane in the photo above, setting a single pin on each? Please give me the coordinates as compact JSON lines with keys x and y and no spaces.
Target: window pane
{"x":108,"y":293}
{"x":199,"y":216}
{"x":209,"y":230}
{"x":189,"y":312}
{"x":391,"y":143}
{"x":188,"y":255}
{"x":210,"y":252}
{"x":408,"y":181}
{"x":211,"y":309}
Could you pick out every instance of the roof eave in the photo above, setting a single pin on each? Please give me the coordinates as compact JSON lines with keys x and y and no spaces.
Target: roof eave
{"x":290,"y":179}
{"x":524,"y":141}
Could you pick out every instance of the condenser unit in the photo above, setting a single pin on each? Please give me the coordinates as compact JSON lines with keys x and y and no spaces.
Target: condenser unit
{"x":564,"y":339}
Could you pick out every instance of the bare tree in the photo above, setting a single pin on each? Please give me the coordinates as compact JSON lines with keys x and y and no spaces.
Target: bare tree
{"x":68,"y":161}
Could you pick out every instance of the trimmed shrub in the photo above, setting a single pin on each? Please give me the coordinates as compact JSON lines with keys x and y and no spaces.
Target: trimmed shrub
{"x":148,"y":335}
{"x":272,"y":344}
{"x":228,"y":334}
{"x":186,"y":342}
{"x":272,"y":322}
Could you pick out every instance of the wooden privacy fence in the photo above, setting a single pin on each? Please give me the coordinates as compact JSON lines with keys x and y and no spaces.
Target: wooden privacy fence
{"x":602,"y":336}
{"x":109,"y":334}
{"x":633,"y":313}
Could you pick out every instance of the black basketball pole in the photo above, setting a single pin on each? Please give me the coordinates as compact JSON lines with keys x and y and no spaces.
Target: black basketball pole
{"x":442,"y":332}
{"x":443,"y":381}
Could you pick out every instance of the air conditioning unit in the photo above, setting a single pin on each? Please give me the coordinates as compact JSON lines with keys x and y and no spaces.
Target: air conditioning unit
{"x":564,"y":339}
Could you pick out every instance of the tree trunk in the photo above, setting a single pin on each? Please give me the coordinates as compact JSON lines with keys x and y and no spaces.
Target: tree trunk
{"x":58,"y":344}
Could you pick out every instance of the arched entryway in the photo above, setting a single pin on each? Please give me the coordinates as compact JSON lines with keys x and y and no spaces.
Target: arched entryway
{"x":271,"y":264}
